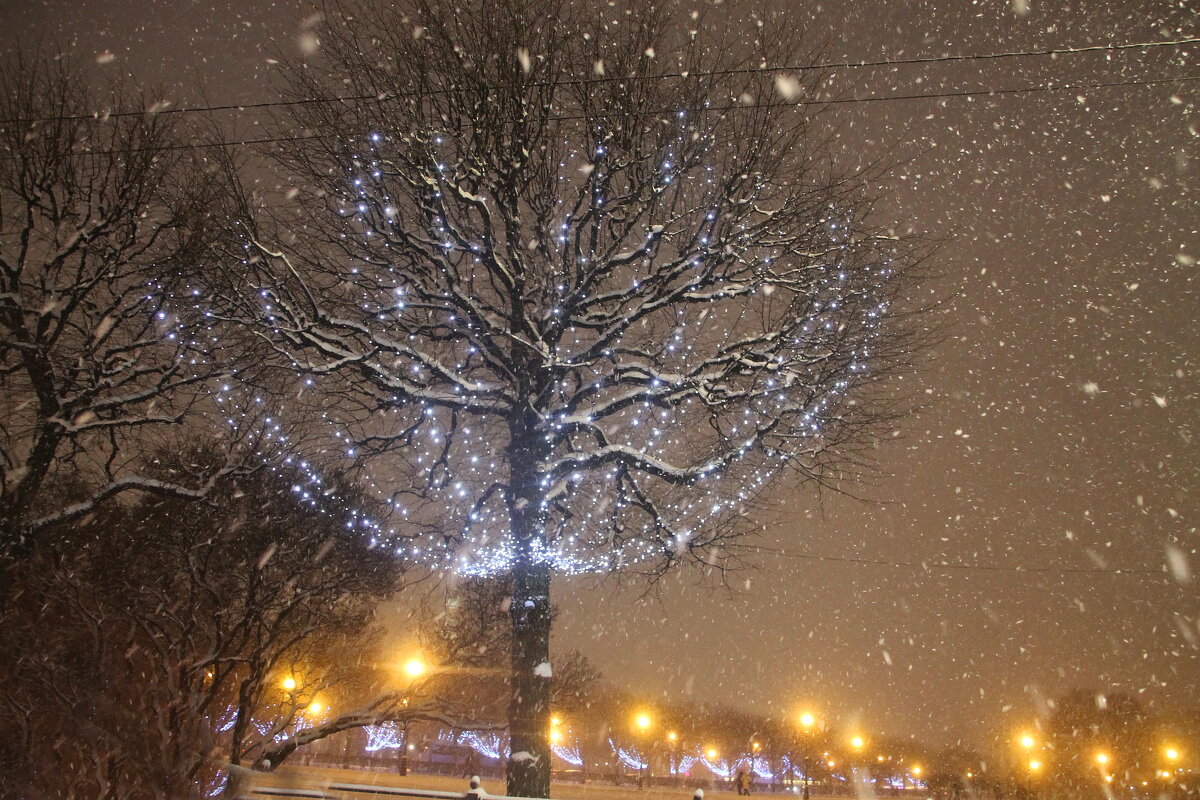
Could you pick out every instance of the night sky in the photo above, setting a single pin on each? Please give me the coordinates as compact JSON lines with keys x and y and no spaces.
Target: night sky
{"x":1061,"y":431}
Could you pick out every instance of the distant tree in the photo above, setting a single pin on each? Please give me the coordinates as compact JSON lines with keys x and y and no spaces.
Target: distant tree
{"x":469,"y":633}
{"x":583,"y":271}
{"x":105,"y":220}
{"x":152,"y":648}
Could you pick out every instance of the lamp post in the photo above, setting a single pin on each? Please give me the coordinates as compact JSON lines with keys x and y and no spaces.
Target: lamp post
{"x":1102,"y":761}
{"x":1028,"y":743}
{"x":807,"y":721}
{"x":673,"y":756}
{"x":643,"y":722}
{"x":857,"y":744}
{"x":413,"y":669}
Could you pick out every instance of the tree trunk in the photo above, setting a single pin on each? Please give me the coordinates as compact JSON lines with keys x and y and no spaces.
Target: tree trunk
{"x":528,"y":771}
{"x":529,"y":705}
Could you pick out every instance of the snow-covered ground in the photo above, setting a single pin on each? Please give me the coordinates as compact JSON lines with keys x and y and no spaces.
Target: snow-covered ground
{"x":313,"y":777}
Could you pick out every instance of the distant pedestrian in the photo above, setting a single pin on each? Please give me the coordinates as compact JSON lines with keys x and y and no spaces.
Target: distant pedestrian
{"x":471,"y":764}
{"x":742,"y":783}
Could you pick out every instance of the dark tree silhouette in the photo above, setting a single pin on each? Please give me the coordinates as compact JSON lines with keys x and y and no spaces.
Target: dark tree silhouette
{"x":174,"y":624}
{"x":104,"y":222}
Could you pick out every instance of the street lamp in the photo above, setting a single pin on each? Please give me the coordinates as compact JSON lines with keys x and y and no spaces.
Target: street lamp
{"x":1102,"y":761}
{"x":643,"y":722}
{"x":807,"y":721}
{"x":672,"y":756}
{"x":413,"y":669}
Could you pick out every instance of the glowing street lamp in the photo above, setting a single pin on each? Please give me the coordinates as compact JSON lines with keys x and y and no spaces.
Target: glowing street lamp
{"x":1101,"y":758}
{"x":289,"y":683}
{"x":413,"y":669}
{"x":673,"y":756}
{"x":1171,"y":753}
{"x":1035,"y":765}
{"x":643,"y":722}
{"x":807,"y":721}
{"x":1027,"y":742}
{"x":711,"y":753}
{"x":857,"y":742}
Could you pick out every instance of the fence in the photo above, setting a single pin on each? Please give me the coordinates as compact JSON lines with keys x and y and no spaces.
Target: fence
{"x":475,"y":792}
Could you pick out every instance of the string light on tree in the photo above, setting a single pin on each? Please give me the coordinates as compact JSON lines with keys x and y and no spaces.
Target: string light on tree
{"x":588,"y":344}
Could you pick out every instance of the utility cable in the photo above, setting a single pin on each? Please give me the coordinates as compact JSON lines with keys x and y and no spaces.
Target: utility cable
{"x":241,"y":107}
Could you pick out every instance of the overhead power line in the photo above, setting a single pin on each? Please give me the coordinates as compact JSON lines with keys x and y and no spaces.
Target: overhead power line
{"x":266,"y":104}
{"x":1001,"y":92}
{"x":927,"y":566}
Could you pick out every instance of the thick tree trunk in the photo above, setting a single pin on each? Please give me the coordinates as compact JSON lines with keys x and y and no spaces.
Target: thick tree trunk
{"x":529,"y":704}
{"x":528,"y":770}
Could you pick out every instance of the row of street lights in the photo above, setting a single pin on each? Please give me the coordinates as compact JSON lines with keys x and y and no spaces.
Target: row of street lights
{"x":807,"y":723}
{"x":414,"y":668}
{"x":1103,"y":760}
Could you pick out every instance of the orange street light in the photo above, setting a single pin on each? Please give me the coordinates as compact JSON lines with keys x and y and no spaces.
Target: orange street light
{"x":1027,"y":742}
{"x":711,"y":753}
{"x":1035,"y":765}
{"x":857,"y":743}
{"x":807,"y":720}
{"x":1172,"y":754}
{"x":289,"y":683}
{"x":414,"y":667}
{"x":1101,"y":758}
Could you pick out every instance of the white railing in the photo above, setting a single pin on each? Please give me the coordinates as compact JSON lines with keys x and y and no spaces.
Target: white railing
{"x":475,"y":792}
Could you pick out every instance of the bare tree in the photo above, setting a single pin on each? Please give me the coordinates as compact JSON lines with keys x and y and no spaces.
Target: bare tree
{"x":582,"y":270}
{"x":188,"y":638}
{"x":104,"y":222}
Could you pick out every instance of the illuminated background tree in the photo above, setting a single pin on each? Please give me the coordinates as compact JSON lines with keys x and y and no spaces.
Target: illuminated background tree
{"x":578,"y":279}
